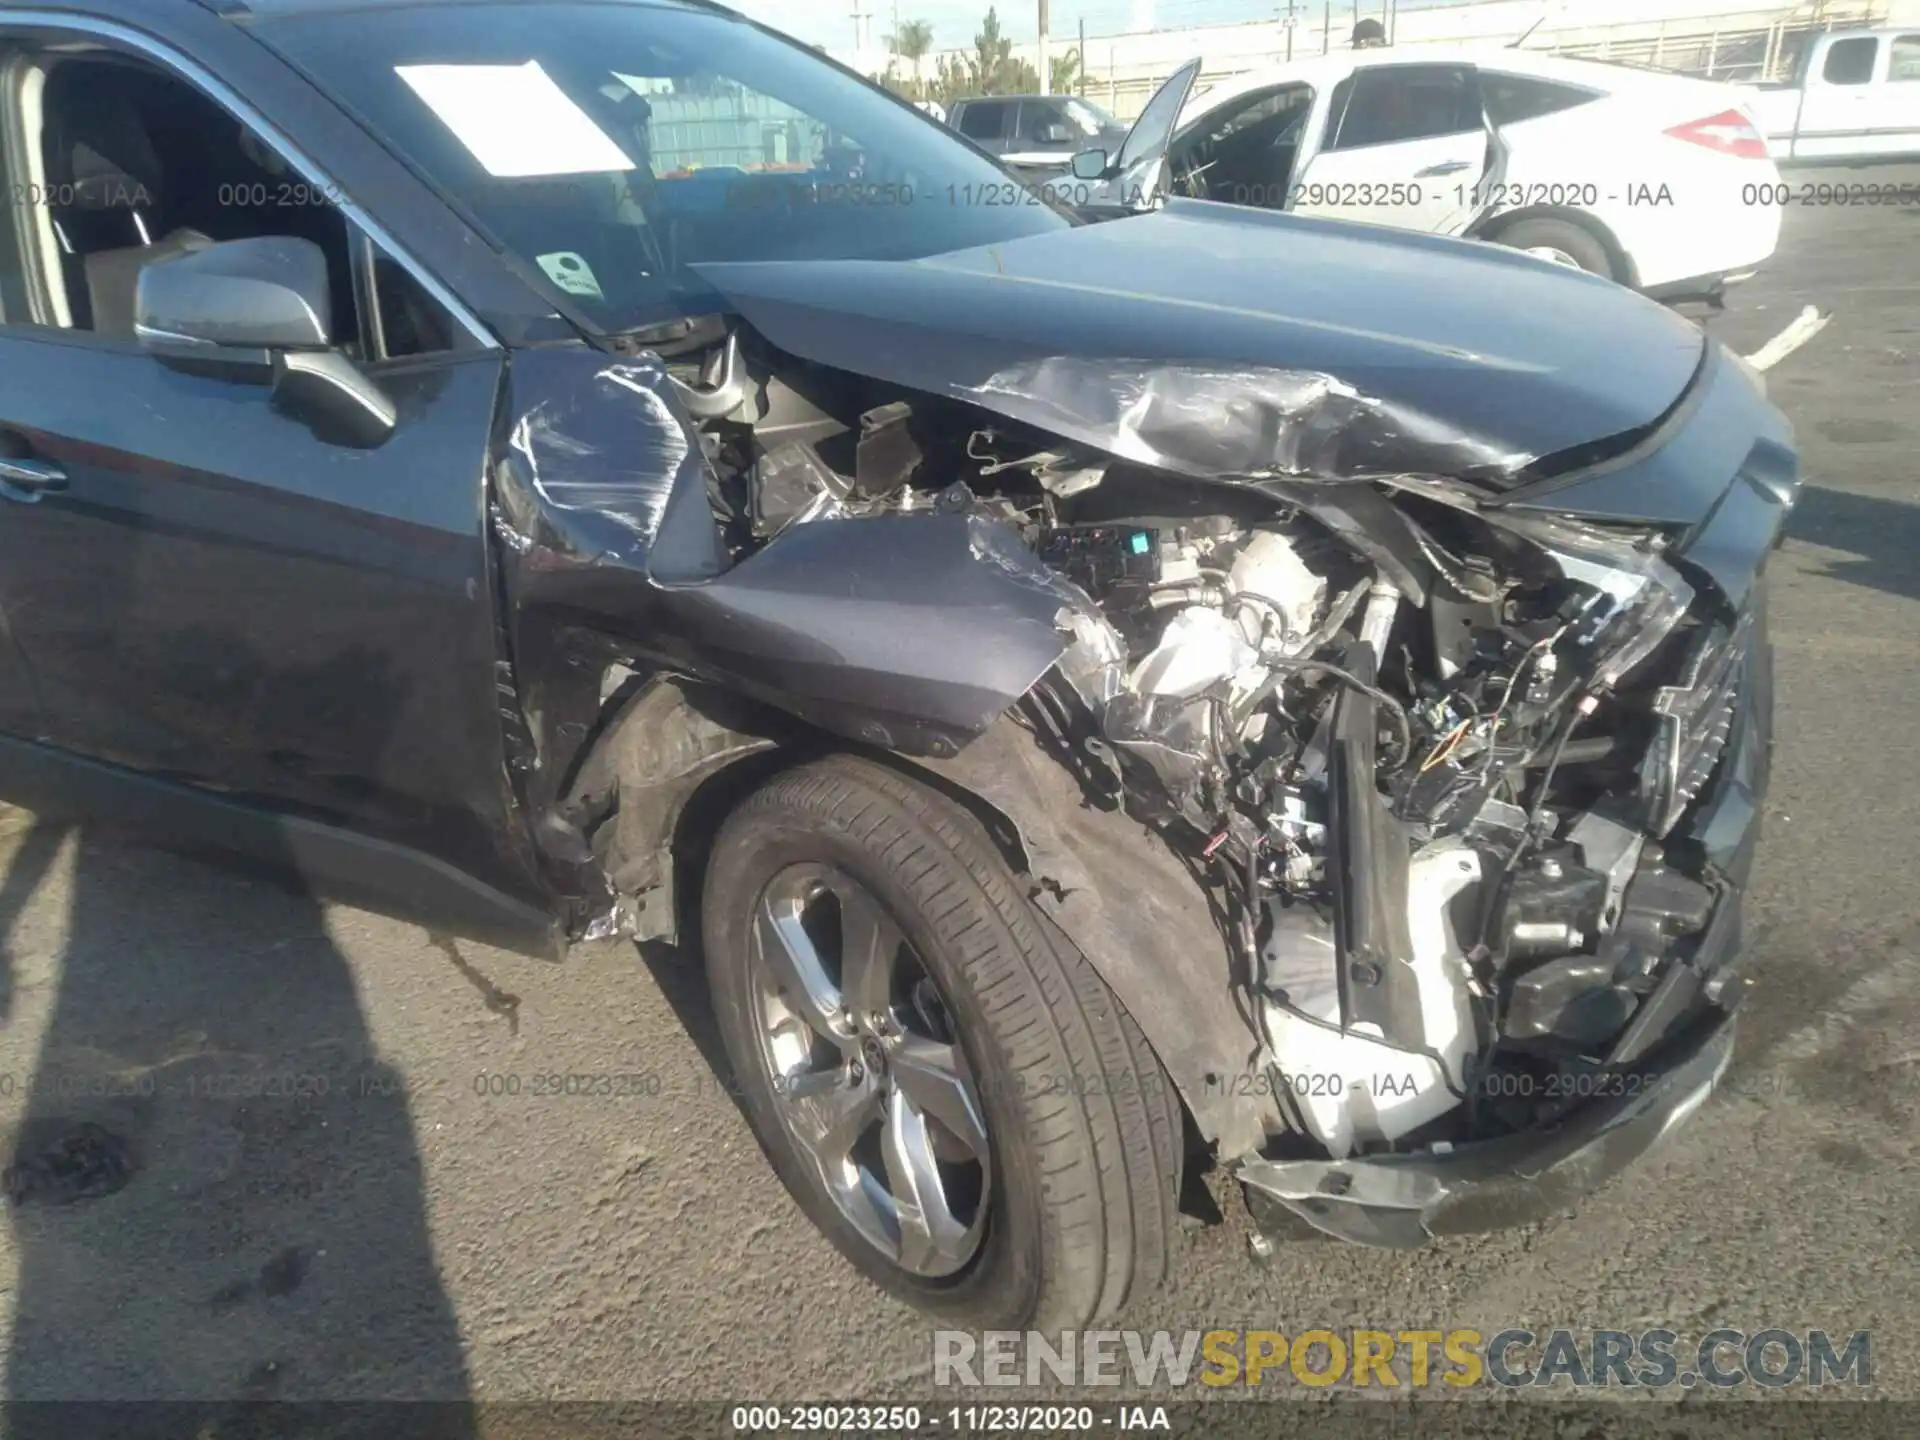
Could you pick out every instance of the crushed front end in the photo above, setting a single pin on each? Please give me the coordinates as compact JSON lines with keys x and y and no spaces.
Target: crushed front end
{"x":1399,"y":779}
{"x":1477,"y":825}
{"x":1572,"y":958}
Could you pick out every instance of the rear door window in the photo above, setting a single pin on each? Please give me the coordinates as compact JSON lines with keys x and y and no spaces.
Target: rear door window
{"x":1512,"y":98}
{"x":1387,"y":104}
{"x":984,"y":119}
{"x":1905,"y":64}
{"x":1850,"y":62}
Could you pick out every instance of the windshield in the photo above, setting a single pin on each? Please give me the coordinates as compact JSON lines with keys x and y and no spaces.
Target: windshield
{"x":619,"y":147}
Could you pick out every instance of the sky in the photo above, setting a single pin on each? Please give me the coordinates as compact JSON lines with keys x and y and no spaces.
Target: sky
{"x":830,"y":22}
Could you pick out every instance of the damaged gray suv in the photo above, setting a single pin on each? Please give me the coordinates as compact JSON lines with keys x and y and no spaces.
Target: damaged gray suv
{"x":1104,"y":697}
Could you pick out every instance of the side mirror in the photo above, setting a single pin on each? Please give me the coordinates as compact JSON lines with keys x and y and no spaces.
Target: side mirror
{"x":1089,"y":165}
{"x":268,"y":293}
{"x":256,"y":310}
{"x":1055,"y":134}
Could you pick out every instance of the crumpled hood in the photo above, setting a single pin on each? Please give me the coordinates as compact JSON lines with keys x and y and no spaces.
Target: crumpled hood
{"x":1218,"y":341}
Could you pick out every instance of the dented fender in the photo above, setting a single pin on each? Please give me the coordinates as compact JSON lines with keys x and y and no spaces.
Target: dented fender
{"x":906,"y":632}
{"x":910,"y":634}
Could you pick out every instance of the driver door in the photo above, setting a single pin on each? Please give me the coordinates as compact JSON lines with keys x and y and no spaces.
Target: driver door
{"x":211,"y":590}
{"x":23,"y":481}
{"x":1136,"y":179}
{"x":1404,"y":145}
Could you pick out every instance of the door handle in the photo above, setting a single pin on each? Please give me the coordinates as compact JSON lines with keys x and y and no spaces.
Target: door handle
{"x":26,"y":480}
{"x":1452,"y":167}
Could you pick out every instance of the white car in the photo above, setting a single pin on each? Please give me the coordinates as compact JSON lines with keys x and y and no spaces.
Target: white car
{"x":1659,"y":181}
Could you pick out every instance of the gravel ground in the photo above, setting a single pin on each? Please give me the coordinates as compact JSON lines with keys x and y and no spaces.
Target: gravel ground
{"x":319,"y":1194}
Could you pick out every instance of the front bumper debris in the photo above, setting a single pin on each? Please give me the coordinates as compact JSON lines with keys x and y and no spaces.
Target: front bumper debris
{"x":1402,"y":1201}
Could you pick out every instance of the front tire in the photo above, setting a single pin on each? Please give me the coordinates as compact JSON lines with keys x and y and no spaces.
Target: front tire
{"x":949,"y":1091}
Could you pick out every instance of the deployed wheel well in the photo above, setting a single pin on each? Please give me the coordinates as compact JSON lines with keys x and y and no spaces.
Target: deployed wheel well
{"x":679,"y":758}
{"x":670,"y":765}
{"x":1624,"y":270}
{"x":702,"y":814}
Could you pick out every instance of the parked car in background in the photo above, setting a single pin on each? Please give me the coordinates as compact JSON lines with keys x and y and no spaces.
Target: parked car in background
{"x":1654,"y":180}
{"x":1854,"y":96}
{"x":1036,"y":132}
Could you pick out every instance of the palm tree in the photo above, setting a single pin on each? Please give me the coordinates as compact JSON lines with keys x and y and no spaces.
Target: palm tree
{"x":996,"y":71}
{"x":1065,"y":77}
{"x":913,"y":41}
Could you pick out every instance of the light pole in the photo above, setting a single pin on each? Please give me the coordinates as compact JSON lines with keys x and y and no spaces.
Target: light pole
{"x":1046,"y":67}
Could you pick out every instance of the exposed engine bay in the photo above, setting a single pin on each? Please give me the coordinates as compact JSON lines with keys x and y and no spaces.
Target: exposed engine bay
{"x":1414,"y":749}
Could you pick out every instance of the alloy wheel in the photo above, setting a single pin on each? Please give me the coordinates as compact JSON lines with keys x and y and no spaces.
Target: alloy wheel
{"x":867,"y":1070}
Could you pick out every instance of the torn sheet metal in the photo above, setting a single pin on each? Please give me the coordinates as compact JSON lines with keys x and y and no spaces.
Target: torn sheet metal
{"x":907,"y":631}
{"x":1241,"y":422}
{"x":597,"y":450}
{"x":911,"y":632}
{"x":598,"y":478}
{"x":660,"y":746}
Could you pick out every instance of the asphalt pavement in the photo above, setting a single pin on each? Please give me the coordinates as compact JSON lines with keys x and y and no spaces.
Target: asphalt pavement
{"x":321,"y":1154}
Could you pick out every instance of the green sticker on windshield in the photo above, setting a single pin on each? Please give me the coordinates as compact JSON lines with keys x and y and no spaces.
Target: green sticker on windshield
{"x":572,"y":274}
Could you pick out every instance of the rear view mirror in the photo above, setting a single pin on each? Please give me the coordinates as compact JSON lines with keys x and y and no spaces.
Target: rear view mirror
{"x":1055,"y":134}
{"x":257,"y":310}
{"x":1089,"y":165}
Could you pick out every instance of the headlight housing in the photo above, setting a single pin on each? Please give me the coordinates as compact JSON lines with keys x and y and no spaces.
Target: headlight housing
{"x":1639,"y":598}
{"x":1694,"y":718}
{"x":1638,"y":601}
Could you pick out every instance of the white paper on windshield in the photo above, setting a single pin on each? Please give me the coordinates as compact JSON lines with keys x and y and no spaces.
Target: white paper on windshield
{"x":514,"y":119}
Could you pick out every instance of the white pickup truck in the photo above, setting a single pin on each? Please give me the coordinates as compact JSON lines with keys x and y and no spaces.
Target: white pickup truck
{"x":1856,"y":96}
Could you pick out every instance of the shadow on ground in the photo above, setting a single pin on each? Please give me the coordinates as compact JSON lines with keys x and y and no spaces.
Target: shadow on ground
{"x":1881,"y":536}
{"x":215,"y":1190}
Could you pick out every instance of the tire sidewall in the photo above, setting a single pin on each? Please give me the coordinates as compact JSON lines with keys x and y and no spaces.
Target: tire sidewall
{"x":1565,"y":235}
{"x":1005,"y":1276}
